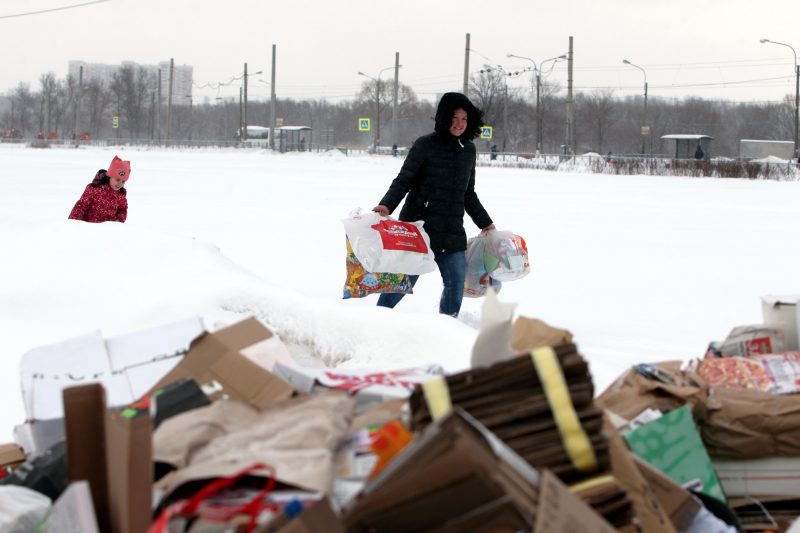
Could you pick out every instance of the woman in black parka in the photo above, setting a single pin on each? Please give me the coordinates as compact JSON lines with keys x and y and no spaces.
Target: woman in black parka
{"x":438,"y":182}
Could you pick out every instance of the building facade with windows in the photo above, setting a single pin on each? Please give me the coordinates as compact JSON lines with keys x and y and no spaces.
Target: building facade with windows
{"x":181,"y":81}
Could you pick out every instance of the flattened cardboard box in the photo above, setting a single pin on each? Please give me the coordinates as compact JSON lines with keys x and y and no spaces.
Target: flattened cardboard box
{"x":114,"y":453}
{"x":216,"y":358}
{"x":126,"y":365}
{"x":10,"y":455}
{"x":677,"y":502}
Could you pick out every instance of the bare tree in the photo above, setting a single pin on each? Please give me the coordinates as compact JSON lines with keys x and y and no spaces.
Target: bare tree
{"x":598,"y":110}
{"x":488,"y":92}
{"x":23,"y":106}
{"x":97,"y":99}
{"x":47,"y":98}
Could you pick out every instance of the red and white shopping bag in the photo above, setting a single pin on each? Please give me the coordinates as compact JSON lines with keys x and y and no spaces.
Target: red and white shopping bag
{"x":383,"y":244}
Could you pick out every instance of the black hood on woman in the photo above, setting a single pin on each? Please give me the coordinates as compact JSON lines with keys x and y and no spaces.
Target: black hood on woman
{"x":444,"y":115}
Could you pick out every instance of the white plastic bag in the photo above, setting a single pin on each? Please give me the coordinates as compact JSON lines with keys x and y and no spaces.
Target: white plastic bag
{"x":506,"y":256}
{"x":383,"y":244}
{"x":477,"y":278}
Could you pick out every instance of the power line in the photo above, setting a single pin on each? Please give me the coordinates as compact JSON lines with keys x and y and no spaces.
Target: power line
{"x":73,"y":6}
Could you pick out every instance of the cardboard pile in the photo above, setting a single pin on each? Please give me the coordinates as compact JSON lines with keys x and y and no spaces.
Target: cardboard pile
{"x":725,"y":426}
{"x":181,"y":429}
{"x":457,"y":476}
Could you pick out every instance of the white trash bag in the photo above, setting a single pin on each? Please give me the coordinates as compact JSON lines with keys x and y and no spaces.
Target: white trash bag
{"x":506,"y":256}
{"x":477,"y":279}
{"x":383,"y":244}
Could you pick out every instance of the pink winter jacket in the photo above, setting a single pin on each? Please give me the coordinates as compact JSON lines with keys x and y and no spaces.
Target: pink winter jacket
{"x":100,"y":204}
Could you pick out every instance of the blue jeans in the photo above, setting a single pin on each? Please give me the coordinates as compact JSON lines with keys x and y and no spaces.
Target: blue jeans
{"x":453,"y":268}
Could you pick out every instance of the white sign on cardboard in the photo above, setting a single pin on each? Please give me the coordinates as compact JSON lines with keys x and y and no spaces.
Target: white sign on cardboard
{"x":126,"y":365}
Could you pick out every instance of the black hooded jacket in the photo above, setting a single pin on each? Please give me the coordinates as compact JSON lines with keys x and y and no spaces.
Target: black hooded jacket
{"x":438,"y":177}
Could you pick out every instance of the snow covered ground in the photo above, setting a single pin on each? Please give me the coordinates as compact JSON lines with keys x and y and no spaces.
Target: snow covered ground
{"x":638,"y":268}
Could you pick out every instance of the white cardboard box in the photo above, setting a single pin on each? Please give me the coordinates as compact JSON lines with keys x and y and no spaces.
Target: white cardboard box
{"x":774,"y":476}
{"x":126,"y":365}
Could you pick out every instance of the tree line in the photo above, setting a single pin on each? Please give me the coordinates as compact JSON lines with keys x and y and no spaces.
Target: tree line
{"x":603,"y":121}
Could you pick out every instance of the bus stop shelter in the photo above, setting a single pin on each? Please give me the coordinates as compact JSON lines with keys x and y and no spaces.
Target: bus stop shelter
{"x":686,"y":144}
{"x":294,"y":138}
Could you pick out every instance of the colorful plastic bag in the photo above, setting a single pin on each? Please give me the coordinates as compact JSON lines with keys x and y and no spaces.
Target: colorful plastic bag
{"x":506,"y":256}
{"x":383,"y":244}
{"x":360,"y":283}
{"x":477,"y":278}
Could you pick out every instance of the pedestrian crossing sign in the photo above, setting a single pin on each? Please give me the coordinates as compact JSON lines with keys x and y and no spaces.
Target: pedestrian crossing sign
{"x":486,"y":132}
{"x":363,"y":124}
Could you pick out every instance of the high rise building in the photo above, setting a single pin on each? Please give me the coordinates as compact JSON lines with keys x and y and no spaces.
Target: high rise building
{"x":181,"y":82}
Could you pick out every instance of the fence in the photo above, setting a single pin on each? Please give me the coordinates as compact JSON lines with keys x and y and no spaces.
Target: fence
{"x":646,"y":165}
{"x":590,"y":163}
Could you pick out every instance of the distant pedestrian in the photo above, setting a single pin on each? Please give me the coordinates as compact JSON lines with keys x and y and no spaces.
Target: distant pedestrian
{"x":394,"y":150}
{"x":493,"y":152}
{"x":437,"y":181}
{"x":698,"y":154}
{"x":104,"y":199}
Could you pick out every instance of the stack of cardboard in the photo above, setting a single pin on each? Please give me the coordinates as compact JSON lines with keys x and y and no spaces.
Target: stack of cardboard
{"x":510,"y":400}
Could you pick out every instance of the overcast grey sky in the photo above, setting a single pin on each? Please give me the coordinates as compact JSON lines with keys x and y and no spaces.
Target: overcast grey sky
{"x":704,"y":48}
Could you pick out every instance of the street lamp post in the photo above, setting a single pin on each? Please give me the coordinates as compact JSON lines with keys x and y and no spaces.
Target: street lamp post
{"x":377,"y":81}
{"x":243,"y":136}
{"x":537,"y":77}
{"x":796,"y":91}
{"x":644,"y":119}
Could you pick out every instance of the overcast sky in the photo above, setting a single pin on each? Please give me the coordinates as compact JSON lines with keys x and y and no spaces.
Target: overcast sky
{"x":704,"y":48}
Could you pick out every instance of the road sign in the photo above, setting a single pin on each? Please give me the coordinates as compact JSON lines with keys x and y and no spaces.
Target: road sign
{"x":115,"y":121}
{"x":363,"y":124}
{"x":279,"y":122}
{"x":486,"y":132}
{"x":645,"y":130}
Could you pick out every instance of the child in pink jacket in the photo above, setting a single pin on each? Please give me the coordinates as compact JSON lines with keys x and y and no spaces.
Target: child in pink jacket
{"x":104,"y":198}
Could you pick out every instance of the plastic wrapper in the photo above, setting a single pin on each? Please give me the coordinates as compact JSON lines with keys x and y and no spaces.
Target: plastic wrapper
{"x":775,"y":373}
{"x":360,"y":283}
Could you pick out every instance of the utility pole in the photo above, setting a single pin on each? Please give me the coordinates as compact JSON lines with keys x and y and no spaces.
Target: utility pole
{"x":505,"y":113}
{"x":169,"y":97}
{"x":244,"y":109}
{"x":570,"y":130}
{"x":158,"y":108}
{"x":272,"y":104}
{"x":466,"y":68}
{"x":394,"y":99}
{"x":79,"y":98}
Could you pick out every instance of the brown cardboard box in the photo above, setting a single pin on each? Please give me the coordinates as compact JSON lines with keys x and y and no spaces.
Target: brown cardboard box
{"x":677,"y":502}
{"x":114,"y":453}
{"x":216,"y":358}
{"x":11,"y":455}
{"x":456,"y":473}
{"x":560,"y":510}
{"x":85,"y":428}
{"x":646,"y":505}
